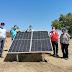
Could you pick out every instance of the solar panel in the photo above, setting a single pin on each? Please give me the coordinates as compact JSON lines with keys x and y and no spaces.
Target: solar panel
{"x":23,"y":35}
{"x":20,"y":46}
{"x":40,"y":34}
{"x":41,"y":45}
{"x":27,"y":42}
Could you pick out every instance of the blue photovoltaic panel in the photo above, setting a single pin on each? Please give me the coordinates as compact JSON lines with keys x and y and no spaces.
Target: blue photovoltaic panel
{"x":23,"y":35}
{"x":20,"y":46}
{"x":36,"y":41}
{"x":21,"y":42}
{"x":41,"y":45}
{"x":41,"y":41}
{"x":40,"y":35}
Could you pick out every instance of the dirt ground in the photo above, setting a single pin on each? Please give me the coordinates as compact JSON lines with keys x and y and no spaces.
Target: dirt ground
{"x":53,"y":64}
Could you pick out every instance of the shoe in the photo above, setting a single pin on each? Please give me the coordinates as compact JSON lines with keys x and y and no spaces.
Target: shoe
{"x":53,"y":54}
{"x":57,"y":55}
{"x":66,"y":58}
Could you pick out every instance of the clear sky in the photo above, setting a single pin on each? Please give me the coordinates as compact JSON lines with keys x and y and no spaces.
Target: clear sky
{"x":38,"y":13}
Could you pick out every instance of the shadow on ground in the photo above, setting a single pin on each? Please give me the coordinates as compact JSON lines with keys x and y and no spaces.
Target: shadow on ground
{"x":23,"y":57}
{"x":54,"y":56}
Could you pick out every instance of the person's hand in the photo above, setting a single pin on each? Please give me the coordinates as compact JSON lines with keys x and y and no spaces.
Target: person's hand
{"x":18,"y":31}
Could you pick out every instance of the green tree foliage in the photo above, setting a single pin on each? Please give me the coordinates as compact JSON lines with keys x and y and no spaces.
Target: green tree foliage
{"x":63,"y":21}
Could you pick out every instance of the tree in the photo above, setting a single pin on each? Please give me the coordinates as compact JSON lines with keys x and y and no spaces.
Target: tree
{"x":63,"y":21}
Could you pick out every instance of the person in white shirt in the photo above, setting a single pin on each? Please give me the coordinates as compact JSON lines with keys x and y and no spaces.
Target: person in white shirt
{"x":30,"y":28}
{"x":2,"y":38}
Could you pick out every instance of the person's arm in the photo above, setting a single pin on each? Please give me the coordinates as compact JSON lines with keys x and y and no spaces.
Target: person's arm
{"x":18,"y":31}
{"x":69,"y":41}
{"x":11,"y":31}
{"x":5,"y":37}
{"x":50,"y":34}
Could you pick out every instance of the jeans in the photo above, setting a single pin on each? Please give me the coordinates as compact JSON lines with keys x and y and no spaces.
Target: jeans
{"x":55,"y":43}
{"x":65,"y":50}
{"x":2,"y":41}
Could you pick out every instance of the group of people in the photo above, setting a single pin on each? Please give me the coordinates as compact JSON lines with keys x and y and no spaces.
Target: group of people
{"x":15,"y":30}
{"x":54,"y":36}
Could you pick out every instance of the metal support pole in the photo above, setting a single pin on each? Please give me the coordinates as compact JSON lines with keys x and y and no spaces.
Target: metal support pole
{"x":17,"y":57}
{"x":43,"y":57}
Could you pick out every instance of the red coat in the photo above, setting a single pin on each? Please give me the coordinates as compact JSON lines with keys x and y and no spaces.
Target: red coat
{"x":54,"y":36}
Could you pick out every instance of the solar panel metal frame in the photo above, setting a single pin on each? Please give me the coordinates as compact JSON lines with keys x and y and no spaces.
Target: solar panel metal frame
{"x":30,"y":45}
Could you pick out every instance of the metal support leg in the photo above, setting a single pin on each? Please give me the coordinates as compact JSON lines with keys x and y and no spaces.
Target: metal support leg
{"x":17,"y":57}
{"x":43,"y":57}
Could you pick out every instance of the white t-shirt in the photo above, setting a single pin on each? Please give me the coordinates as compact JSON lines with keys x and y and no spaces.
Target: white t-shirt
{"x":2,"y":33}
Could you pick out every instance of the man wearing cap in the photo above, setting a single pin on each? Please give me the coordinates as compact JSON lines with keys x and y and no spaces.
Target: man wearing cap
{"x":2,"y":38}
{"x":54,"y":39}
